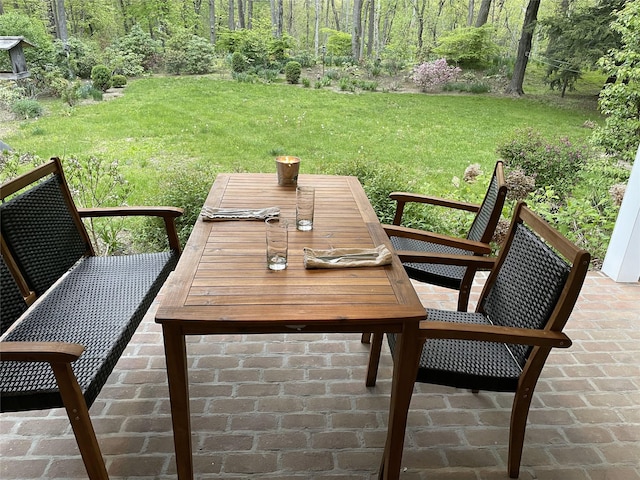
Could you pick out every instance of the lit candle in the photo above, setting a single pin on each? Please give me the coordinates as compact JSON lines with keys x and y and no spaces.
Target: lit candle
{"x":287,"y":168}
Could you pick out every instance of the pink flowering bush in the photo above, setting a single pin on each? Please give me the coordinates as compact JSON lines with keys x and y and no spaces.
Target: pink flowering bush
{"x":431,"y":75}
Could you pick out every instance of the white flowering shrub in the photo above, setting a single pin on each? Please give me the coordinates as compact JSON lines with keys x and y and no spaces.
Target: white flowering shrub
{"x":431,"y":75}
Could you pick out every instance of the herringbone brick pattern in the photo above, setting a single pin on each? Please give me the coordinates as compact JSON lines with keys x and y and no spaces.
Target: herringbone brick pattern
{"x":295,"y":407}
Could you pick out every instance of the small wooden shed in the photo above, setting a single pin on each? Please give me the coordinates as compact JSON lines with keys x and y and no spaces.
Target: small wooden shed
{"x":18,"y":63}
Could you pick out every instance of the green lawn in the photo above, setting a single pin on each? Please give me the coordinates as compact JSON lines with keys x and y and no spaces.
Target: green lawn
{"x":202,"y":123}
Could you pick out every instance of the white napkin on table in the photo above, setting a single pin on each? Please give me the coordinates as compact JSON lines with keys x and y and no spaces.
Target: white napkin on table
{"x":347,"y":257}
{"x":218,"y":214}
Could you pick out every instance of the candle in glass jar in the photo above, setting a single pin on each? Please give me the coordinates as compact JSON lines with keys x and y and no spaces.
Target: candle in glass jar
{"x":287,"y":168}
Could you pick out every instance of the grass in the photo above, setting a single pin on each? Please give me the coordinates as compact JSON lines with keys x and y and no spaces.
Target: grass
{"x":212,"y":125}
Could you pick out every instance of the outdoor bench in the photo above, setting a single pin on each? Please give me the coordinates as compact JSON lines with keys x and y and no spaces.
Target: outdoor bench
{"x":66,"y":315}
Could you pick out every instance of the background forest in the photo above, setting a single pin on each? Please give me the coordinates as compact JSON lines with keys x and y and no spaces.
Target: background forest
{"x":81,"y":48}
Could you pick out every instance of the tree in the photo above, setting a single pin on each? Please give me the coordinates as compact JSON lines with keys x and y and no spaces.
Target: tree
{"x":483,"y":13}
{"x":61,"y":21}
{"x":357,"y":30}
{"x":620,"y":100}
{"x":577,"y":39}
{"x":524,"y":48}
{"x":212,"y":22}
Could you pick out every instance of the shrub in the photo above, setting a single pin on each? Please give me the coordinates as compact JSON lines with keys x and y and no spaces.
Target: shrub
{"x":96,"y":182}
{"x":118,"y":81}
{"x":305,"y":59}
{"x":68,"y":91}
{"x":135,"y":53}
{"x":190,"y":54}
{"x":77,"y":57}
{"x":432,"y":75}
{"x":252,"y":44}
{"x":620,"y":100}
{"x":338,"y":43}
{"x":554,"y":164}
{"x":238,"y":62}
{"x":292,"y":71}
{"x":393,"y":66}
{"x":89,"y":91}
{"x":306,"y":83}
{"x":32,"y":28}
{"x":101,"y":77}
{"x":469,"y":46}
{"x":26,"y":108}
{"x":186,"y":188}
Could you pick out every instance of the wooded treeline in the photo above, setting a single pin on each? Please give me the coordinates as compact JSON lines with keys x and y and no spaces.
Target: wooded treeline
{"x":411,"y":31}
{"x":378,"y":27}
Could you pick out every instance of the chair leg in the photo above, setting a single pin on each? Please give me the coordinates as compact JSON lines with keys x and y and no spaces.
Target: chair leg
{"x":78,"y":414}
{"x":463,"y":297}
{"x":374,"y":359}
{"x":519,"y":414}
{"x":366,"y":337}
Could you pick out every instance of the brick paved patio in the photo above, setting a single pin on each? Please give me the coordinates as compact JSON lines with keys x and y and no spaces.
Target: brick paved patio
{"x":295,"y":407}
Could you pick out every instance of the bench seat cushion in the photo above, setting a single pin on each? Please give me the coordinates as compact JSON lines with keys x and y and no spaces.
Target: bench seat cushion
{"x":98,"y":304}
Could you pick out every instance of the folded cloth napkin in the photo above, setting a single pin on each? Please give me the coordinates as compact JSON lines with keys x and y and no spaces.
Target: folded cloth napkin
{"x":347,"y":257}
{"x":218,"y":214}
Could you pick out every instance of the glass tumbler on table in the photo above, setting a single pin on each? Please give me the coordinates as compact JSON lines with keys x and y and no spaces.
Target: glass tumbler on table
{"x":305,"y":199}
{"x":277,"y":243}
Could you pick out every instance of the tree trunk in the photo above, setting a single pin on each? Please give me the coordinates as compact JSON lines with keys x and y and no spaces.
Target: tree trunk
{"x":290,"y":18}
{"x":249,"y":14}
{"x":483,"y":13}
{"x":336,"y":15}
{"x":212,"y":21}
{"x":1,"y":8}
{"x":372,"y":23}
{"x":279,"y":18}
{"x":232,"y":22}
{"x":470,"y":11}
{"x":274,"y":17}
{"x":357,"y":30}
{"x":524,"y":48}
{"x":241,"y":14}
{"x":61,"y":21}
{"x":316,"y":33}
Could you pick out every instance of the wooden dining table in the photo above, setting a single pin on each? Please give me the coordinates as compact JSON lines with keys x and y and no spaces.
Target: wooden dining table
{"x":222,"y":285}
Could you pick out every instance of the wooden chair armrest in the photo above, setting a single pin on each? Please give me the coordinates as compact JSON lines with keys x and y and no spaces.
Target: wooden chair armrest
{"x":469,"y":261}
{"x":51,"y":352}
{"x":432,"y":237}
{"x":493,"y":333}
{"x":164,"y":212}
{"x":168,"y":214}
{"x":406,"y":197}
{"x":403,"y":198}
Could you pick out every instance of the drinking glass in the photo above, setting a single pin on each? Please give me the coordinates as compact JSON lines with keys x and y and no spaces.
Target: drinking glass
{"x":305,"y":199}
{"x":277,"y":243}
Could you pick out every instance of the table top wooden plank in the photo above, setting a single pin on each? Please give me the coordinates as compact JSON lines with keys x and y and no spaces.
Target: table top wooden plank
{"x":222,"y":282}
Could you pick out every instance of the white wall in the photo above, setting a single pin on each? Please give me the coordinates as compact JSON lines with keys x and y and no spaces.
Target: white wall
{"x":622,"y":261}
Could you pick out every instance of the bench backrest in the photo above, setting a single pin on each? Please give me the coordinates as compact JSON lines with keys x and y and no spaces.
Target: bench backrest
{"x":41,"y":226}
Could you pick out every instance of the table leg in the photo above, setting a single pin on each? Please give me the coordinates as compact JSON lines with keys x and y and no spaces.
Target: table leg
{"x":405,"y":369}
{"x":176,"y":356}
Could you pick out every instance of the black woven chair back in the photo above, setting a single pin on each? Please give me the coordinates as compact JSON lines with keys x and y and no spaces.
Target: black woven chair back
{"x":12,"y":303}
{"x":41,"y":233}
{"x":527,"y":287}
{"x":482,"y":227}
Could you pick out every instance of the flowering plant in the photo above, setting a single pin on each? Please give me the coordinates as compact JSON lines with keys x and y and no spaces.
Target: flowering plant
{"x":431,"y":75}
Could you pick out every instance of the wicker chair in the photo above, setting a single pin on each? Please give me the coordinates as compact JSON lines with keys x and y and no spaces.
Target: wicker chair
{"x":525,"y":304}
{"x":476,"y":242}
